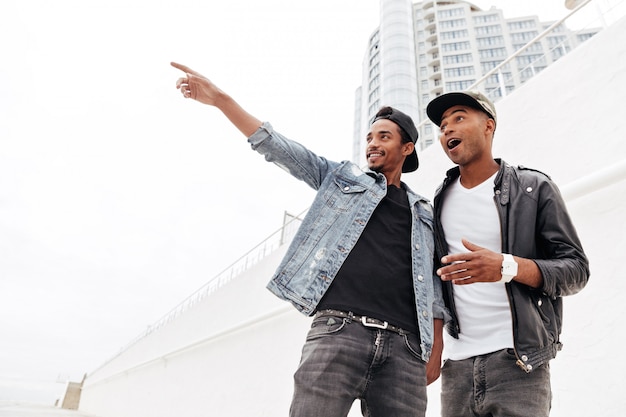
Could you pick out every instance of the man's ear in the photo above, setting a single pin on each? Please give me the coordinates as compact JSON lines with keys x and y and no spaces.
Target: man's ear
{"x":408,"y":148}
{"x":491,"y":125}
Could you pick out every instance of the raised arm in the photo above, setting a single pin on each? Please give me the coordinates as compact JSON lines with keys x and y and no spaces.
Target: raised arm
{"x":200,"y":88}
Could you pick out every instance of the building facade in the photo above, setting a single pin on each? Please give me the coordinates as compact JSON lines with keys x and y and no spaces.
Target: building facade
{"x":424,"y":49}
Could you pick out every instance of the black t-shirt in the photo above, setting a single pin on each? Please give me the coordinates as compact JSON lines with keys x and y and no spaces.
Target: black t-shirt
{"x":376,"y":279}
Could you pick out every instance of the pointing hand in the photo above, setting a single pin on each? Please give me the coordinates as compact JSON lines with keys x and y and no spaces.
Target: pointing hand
{"x":196,"y":86}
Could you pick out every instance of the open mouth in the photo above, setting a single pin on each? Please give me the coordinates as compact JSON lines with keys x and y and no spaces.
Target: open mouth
{"x":453,"y":143}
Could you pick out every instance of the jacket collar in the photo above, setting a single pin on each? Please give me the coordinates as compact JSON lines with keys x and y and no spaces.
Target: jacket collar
{"x":502,"y":181}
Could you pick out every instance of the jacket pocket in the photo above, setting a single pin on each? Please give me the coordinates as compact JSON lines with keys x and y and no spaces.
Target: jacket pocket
{"x":343,"y":194}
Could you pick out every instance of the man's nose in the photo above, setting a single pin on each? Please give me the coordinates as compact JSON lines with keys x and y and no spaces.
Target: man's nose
{"x":373,"y":143}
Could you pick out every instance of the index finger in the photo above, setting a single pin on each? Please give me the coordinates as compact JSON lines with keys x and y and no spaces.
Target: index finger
{"x":457,"y":257}
{"x":184,"y":68}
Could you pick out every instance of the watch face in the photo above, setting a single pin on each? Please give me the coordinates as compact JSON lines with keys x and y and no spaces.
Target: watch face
{"x":509,"y":268}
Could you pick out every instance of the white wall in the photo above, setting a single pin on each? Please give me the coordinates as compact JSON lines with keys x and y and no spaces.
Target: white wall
{"x":235,"y":352}
{"x":231,"y":354}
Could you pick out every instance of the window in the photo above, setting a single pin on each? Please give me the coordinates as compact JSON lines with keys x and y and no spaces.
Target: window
{"x":457,"y":46}
{"x":559,"y":28}
{"x":527,"y":73}
{"x":488,"y":30}
{"x":524,"y":36}
{"x":522,"y":24}
{"x":374,"y":59}
{"x":535,"y":47}
{"x":457,"y":59}
{"x":557,"y":53}
{"x":375,"y":70}
{"x":499,"y":77}
{"x":493,"y":79}
{"x":490,"y":41}
{"x":375,"y":82}
{"x":455,"y":34}
{"x":459,"y":85}
{"x":447,"y":24}
{"x":584,"y":36}
{"x":374,"y":107}
{"x":489,"y":65}
{"x":493,"y":53}
{"x":458,"y":11}
{"x":486,"y":18}
{"x":459,"y":72}
{"x":374,"y":95}
{"x":555,"y":40}
{"x":529,"y":59}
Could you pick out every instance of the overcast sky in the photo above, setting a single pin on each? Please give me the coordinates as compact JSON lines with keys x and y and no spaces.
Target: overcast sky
{"x":119,"y":198}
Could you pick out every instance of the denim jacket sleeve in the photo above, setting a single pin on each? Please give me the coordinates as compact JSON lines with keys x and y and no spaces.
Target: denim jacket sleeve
{"x":439,"y":309}
{"x":291,"y":156}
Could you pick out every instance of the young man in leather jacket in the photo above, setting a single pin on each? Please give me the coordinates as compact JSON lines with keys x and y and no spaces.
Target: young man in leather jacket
{"x":361,"y":262}
{"x":509,"y":253}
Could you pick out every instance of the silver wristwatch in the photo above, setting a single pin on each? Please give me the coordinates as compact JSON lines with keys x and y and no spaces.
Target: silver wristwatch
{"x":509,"y":268}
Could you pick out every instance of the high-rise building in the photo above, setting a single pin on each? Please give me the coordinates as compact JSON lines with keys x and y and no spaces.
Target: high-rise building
{"x":424,"y":49}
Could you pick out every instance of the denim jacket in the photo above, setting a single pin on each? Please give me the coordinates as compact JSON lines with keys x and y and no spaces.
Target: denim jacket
{"x":346,"y":198}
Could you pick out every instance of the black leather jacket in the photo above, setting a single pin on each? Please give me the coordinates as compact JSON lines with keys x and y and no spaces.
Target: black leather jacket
{"x":535,"y":225}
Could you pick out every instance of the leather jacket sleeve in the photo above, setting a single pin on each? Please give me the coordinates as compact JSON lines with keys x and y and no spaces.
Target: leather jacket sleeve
{"x":560,"y":256}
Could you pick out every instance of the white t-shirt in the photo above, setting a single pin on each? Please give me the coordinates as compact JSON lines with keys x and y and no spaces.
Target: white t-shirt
{"x":483,"y":308}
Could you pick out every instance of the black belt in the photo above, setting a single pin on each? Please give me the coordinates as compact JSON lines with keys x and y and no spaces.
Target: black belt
{"x":364,"y":320}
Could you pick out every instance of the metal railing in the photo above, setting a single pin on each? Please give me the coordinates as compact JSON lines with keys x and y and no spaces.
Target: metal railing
{"x":497,"y":70}
{"x":278,"y":238}
{"x":244,"y":263}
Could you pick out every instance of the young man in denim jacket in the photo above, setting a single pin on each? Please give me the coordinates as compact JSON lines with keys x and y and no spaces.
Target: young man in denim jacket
{"x":511,"y":253}
{"x":361,"y":263}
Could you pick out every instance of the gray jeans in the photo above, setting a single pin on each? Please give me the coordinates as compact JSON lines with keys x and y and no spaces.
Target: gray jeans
{"x":342,"y":360}
{"x":493,"y":385}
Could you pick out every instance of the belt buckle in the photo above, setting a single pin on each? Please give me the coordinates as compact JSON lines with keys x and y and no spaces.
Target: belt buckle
{"x":378,"y":326}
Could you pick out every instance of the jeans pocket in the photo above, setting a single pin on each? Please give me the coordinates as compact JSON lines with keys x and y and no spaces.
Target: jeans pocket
{"x":325,"y":326}
{"x":412,"y":343}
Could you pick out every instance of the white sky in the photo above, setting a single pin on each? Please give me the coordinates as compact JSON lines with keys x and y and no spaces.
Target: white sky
{"x":118,"y":198}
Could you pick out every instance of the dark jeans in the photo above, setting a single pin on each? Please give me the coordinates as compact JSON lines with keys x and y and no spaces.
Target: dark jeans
{"x":493,"y":385}
{"x":342,"y":360}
